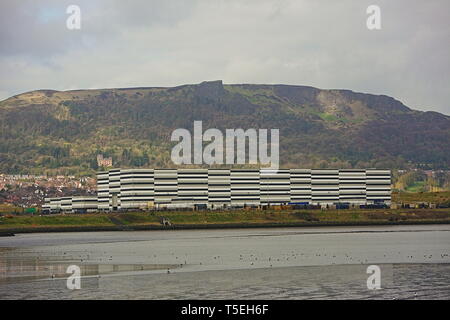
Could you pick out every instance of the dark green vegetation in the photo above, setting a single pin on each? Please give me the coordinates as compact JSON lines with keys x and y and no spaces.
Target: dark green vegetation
{"x":433,"y":197}
{"x":220,"y":219}
{"x":62,"y":132}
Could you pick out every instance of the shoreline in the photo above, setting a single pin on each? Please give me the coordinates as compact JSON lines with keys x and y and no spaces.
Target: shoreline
{"x":152,"y":227}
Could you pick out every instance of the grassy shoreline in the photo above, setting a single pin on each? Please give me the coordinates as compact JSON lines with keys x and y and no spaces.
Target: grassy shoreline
{"x":220,"y":220}
{"x":11,"y":232}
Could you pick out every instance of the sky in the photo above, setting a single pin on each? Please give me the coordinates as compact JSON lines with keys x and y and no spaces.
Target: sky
{"x":320,"y":43}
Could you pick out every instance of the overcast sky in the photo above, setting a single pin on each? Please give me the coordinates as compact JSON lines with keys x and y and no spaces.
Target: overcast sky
{"x":321,"y":43}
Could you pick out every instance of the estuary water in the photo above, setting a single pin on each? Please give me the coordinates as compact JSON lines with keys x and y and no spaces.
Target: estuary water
{"x":266,"y":263}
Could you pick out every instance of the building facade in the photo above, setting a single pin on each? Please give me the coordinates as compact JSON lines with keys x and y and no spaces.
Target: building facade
{"x":120,"y":189}
{"x":126,"y":189}
{"x":104,"y":162}
{"x":71,"y":204}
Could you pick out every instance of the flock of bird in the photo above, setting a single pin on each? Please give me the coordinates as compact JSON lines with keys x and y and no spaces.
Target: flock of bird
{"x":291,"y":258}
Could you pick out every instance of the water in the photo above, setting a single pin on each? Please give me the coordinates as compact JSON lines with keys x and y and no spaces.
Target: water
{"x":272,"y":263}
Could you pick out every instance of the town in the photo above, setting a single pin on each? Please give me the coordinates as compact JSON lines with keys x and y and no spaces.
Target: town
{"x":29,"y":191}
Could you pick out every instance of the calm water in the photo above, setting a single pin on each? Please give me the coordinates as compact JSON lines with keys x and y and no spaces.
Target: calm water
{"x":282,"y":263}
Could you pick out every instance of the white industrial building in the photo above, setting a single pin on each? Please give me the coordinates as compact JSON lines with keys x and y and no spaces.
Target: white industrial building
{"x":124,"y":189}
{"x":71,"y":204}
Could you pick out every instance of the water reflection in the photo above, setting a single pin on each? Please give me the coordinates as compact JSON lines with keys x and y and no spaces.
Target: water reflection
{"x":14,"y":269}
{"x":293,"y":263}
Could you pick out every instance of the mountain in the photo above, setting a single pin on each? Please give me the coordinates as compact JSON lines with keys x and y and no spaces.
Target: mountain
{"x":47,"y":131}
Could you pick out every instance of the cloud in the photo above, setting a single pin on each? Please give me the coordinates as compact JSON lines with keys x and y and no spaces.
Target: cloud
{"x":164,"y":43}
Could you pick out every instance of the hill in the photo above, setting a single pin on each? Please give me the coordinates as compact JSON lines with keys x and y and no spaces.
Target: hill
{"x":47,"y":131}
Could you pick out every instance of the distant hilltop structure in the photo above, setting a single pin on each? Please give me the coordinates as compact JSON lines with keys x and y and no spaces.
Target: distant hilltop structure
{"x":104,"y":162}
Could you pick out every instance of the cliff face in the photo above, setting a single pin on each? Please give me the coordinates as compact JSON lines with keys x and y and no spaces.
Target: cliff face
{"x":49,"y":130}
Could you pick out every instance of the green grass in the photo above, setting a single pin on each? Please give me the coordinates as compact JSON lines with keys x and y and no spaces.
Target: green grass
{"x":262,"y":96}
{"x":136,"y":218}
{"x":55,"y":221}
{"x":328,"y":117}
{"x":434,"y":197}
{"x":417,"y":186}
{"x":235,"y":217}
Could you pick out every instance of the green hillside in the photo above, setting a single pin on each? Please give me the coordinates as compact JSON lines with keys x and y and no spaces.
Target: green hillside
{"x":48,"y":131}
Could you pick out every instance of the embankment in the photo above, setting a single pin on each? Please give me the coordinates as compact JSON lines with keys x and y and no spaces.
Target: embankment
{"x":134,"y":221}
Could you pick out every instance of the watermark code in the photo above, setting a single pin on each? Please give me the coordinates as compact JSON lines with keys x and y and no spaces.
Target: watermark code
{"x":74,"y":280}
{"x":374,"y":280}
{"x":190,"y":150}
{"x":73,"y":22}
{"x":374,"y":19}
